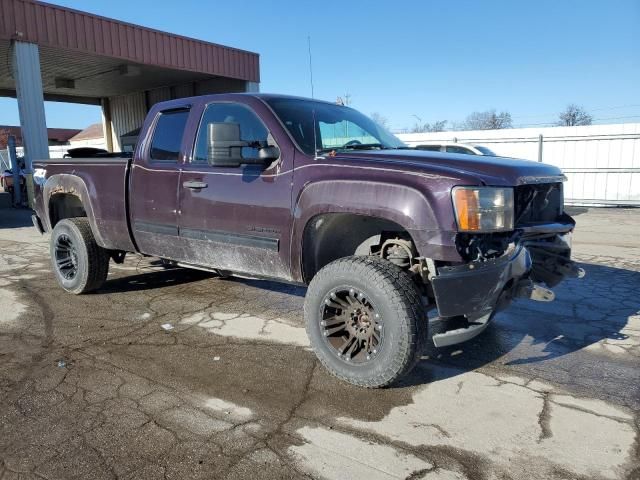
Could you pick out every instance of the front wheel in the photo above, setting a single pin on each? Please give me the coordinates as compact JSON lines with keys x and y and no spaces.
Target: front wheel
{"x":365,"y":320}
{"x":79,"y":263}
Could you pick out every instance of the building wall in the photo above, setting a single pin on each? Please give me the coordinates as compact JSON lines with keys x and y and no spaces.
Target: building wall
{"x":158,"y":95}
{"x":129,"y":111}
{"x":601,"y":162}
{"x":127,"y":114}
{"x":221,"y":85}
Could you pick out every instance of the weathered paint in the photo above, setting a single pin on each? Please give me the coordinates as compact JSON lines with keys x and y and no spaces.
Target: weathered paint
{"x":101,"y":188}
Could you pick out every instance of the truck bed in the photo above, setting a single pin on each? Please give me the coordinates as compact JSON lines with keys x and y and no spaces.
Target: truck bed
{"x":103,"y":179}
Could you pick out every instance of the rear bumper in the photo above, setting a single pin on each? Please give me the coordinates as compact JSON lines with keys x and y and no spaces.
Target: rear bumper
{"x":475,"y":288}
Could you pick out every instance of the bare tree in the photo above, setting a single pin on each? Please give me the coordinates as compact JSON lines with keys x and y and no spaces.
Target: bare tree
{"x":380,"y":120}
{"x":437,"y":126}
{"x":489,"y":120}
{"x":574,"y":115}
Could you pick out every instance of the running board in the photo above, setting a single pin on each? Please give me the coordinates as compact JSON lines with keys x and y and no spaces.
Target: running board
{"x":459,"y":335}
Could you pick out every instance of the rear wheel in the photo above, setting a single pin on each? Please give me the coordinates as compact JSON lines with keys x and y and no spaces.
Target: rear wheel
{"x":79,"y":263}
{"x":365,"y":320}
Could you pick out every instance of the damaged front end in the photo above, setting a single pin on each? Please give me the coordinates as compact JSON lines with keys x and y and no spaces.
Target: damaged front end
{"x":523,"y":263}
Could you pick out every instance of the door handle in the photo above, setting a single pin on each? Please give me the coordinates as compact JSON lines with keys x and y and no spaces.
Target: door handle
{"x":195,"y":185}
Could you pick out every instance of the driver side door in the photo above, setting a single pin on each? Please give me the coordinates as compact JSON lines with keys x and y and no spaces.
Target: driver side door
{"x":236,"y":218}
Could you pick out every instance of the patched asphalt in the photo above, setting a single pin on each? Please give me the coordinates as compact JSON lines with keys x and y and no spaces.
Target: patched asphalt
{"x":92,"y":386}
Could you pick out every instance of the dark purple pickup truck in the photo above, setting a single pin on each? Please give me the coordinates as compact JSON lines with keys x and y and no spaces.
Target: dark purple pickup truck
{"x":314,"y":193}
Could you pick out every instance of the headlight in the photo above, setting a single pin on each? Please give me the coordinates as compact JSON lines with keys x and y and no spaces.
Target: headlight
{"x":483,"y":209}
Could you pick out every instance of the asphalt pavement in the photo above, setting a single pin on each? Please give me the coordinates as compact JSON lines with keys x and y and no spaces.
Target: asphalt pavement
{"x":93,"y":386}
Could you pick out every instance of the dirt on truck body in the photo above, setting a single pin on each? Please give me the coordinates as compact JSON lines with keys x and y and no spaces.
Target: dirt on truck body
{"x":314,"y":193}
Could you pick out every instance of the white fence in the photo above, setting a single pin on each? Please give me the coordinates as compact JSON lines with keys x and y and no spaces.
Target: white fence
{"x":602,"y":162}
{"x":55,"y":151}
{"x":5,"y":164}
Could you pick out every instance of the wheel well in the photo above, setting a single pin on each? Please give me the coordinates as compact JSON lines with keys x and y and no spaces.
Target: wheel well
{"x":65,"y":205}
{"x":330,"y":236}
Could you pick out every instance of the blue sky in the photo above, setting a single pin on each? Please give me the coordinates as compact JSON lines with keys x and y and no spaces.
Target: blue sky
{"x":439,"y":60}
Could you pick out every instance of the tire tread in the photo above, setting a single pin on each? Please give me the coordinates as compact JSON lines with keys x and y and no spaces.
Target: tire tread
{"x":97,"y":257}
{"x":405,"y":299}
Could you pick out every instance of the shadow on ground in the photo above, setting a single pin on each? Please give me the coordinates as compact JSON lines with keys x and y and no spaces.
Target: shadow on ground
{"x":152,"y":280}
{"x":550,"y":338}
{"x":546,"y":340}
{"x":15,"y":218}
{"x":527,"y":336}
{"x":575,"y":211}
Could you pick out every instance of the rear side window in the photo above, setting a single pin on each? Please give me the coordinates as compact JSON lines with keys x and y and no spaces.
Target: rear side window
{"x":167,"y":136}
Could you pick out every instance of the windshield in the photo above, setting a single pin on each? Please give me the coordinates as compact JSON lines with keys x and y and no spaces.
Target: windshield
{"x":485,"y":150}
{"x":336,"y":127}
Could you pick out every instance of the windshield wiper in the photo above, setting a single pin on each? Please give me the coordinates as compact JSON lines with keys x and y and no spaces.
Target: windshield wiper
{"x":355,"y":146}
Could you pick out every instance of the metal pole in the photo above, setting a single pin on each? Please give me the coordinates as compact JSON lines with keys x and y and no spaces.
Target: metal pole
{"x":28,"y":81}
{"x":15,"y":170}
{"x":107,"y":124}
{"x":540,"y":142}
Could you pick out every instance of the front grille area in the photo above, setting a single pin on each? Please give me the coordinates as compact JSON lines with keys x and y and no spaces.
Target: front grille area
{"x":538,"y":203}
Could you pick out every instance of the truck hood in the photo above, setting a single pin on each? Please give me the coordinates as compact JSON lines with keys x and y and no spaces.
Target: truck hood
{"x":499,"y":171}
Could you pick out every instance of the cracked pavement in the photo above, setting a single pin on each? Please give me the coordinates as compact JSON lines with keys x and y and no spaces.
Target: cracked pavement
{"x":92,"y":387}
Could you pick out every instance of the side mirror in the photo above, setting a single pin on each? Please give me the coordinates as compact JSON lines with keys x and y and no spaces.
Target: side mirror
{"x":269,"y":154}
{"x":224,"y":147}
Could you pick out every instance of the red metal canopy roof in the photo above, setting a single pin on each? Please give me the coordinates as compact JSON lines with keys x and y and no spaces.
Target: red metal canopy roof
{"x":64,"y":28}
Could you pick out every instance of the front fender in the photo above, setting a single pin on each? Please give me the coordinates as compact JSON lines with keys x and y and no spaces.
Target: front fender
{"x":401,"y":204}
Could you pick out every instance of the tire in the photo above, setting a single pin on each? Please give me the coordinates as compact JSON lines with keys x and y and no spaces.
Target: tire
{"x":79,"y":263}
{"x":381,"y":290}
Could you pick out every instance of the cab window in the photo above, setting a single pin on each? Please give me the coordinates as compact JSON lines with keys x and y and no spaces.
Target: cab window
{"x":338,"y":133}
{"x":252,"y":129}
{"x":167,"y":135}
